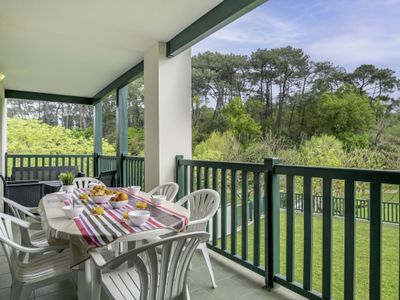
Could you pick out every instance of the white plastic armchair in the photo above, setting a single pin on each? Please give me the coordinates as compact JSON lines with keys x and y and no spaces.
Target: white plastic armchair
{"x":203,"y":204}
{"x":83,"y":182}
{"x":51,"y":264}
{"x":158,"y":271}
{"x":36,"y":239}
{"x":169,"y":189}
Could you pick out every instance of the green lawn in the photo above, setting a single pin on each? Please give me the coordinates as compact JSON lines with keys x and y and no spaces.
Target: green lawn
{"x":390,"y":255}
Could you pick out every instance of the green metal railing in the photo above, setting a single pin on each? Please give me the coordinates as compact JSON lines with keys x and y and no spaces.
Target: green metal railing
{"x":390,"y":210}
{"x":239,"y":184}
{"x":131,"y":168}
{"x":85,"y":162}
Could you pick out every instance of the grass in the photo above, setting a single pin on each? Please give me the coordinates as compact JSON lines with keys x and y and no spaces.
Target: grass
{"x":390,"y":255}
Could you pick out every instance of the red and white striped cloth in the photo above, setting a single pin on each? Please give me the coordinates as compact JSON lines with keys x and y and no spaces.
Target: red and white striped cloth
{"x":100,"y":230}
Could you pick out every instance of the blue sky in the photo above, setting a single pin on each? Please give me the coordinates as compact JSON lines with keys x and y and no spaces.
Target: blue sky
{"x":346,"y":32}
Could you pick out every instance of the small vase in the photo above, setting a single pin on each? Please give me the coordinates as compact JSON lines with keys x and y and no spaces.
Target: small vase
{"x":68,"y":188}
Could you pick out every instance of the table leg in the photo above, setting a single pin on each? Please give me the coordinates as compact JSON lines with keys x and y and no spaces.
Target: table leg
{"x":84,"y":281}
{"x":95,"y":280}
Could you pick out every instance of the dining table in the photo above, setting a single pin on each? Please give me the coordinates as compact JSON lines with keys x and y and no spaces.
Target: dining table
{"x":96,"y":232}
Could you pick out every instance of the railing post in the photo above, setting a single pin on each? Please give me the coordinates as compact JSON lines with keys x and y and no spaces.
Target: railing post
{"x":272,"y":217}
{"x":6,"y":165}
{"x":179,"y":177}
{"x":96,"y":164}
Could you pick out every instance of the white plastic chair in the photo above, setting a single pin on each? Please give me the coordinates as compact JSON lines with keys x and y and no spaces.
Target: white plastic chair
{"x":203,"y":204}
{"x":169,"y":189}
{"x":30,"y":214}
{"x":83,"y":182}
{"x":151,"y":276}
{"x":50,"y":265}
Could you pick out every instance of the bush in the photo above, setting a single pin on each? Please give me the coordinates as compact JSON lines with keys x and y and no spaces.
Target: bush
{"x":323,"y":151}
{"x":257,"y":152}
{"x":219,"y":146}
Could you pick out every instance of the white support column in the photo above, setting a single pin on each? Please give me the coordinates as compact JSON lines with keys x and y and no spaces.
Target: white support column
{"x":167,"y":113}
{"x":3,"y":133}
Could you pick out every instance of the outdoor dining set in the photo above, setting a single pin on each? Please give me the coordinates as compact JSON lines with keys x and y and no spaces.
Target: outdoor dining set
{"x":122,"y":242}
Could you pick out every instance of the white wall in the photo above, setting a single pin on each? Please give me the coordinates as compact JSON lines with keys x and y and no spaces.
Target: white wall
{"x":167,"y":113}
{"x":3,"y":133}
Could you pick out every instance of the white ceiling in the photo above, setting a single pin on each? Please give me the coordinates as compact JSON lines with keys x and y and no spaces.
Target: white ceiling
{"x":77,"y":47}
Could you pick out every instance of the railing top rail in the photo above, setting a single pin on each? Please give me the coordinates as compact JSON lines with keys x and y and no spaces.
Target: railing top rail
{"x":223,"y":165}
{"x":131,"y":157}
{"x":46,"y":155}
{"x":107,"y":156}
{"x":381,"y":176}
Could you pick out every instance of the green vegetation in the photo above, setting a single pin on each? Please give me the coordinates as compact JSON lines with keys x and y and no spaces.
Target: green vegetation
{"x":390,"y":255}
{"x":35,"y":137}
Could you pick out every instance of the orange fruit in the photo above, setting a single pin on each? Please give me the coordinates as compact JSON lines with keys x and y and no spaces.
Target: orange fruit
{"x":141,"y":205}
{"x":98,"y":210}
{"x":83,"y":196}
{"x":123,"y":197}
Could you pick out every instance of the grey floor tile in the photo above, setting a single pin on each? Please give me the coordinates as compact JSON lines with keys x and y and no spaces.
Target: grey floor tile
{"x":4,"y":269}
{"x":201,"y":295}
{"x":62,"y":295}
{"x":65,"y":285}
{"x":5,"y":293}
{"x":5,"y":281}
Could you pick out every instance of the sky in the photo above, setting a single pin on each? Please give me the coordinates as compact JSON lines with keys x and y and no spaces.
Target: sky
{"x":347,"y":32}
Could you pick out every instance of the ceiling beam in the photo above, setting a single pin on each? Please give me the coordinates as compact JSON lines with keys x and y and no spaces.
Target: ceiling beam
{"x":121,"y":81}
{"x":224,"y":13}
{"x":47,"y":97}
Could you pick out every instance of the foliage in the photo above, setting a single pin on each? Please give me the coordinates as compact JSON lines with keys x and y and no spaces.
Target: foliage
{"x":323,"y":151}
{"x":346,"y":115}
{"x":135,"y":141}
{"x":35,"y":137}
{"x":67,"y":178}
{"x":219,"y":146}
{"x":243,"y":126}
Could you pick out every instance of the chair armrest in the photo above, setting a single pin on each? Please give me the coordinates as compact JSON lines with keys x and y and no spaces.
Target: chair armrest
{"x":80,"y":174}
{"x":199,"y":221}
{"x":97,"y":258}
{"x":23,"y":248}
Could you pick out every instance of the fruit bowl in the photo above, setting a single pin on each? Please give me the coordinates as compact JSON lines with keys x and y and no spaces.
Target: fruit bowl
{"x":101,"y":199}
{"x":118,"y":203}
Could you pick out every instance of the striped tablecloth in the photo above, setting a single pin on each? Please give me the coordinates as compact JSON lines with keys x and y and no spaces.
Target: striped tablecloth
{"x":100,"y":230}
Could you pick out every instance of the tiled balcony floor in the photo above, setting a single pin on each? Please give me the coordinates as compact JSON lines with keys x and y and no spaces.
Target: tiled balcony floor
{"x":234,"y":282}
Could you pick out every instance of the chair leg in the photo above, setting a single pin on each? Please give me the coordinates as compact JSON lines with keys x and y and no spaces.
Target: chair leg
{"x":204,"y":249}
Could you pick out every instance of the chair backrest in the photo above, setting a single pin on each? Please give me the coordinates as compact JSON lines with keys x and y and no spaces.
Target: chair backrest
{"x":8,"y":241}
{"x":41,"y":173}
{"x":162,"y":266}
{"x":83,"y":182}
{"x":169,"y":189}
{"x":18,"y":210}
{"x":203,"y":204}
{"x":108,"y":177}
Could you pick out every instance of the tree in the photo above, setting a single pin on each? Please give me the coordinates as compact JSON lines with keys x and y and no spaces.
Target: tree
{"x":223,"y":76}
{"x":243,"y":126}
{"x":346,"y":115}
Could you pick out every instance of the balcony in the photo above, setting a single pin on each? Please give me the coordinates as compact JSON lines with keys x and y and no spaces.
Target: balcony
{"x":281,"y":231}
{"x":304,"y":242}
